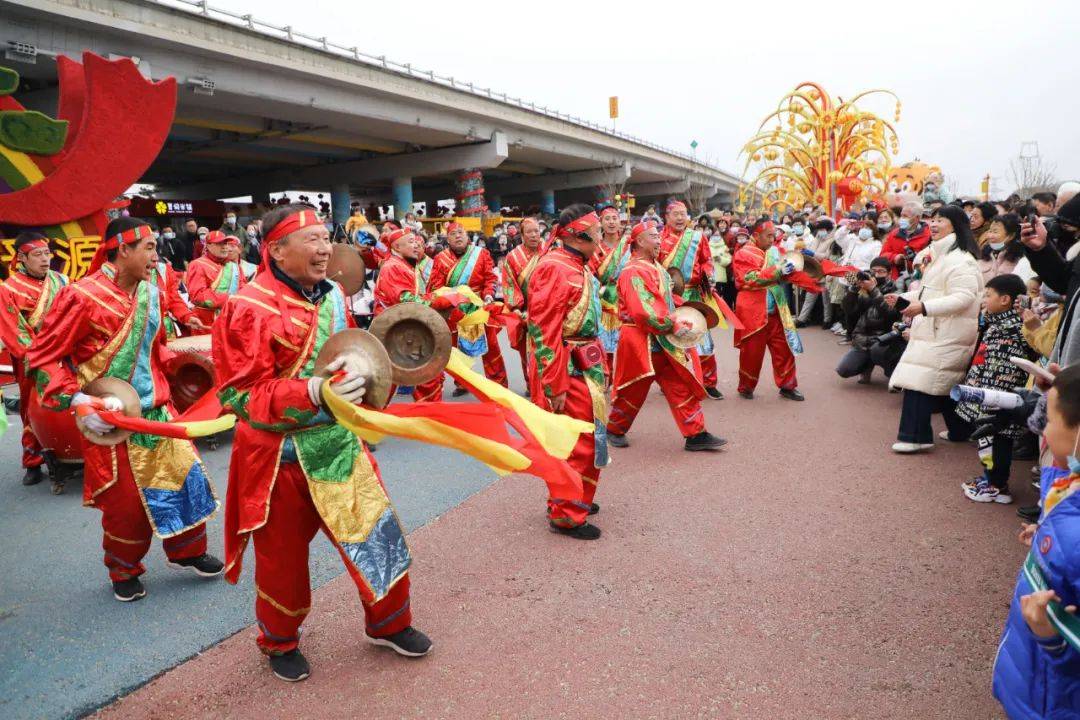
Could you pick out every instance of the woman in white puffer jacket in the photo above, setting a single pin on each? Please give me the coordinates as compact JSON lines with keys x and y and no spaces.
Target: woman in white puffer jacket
{"x":944,"y":315}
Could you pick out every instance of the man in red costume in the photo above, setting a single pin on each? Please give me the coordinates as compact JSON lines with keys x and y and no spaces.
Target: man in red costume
{"x":212,"y":278}
{"x":25,"y":298}
{"x":464,"y":264}
{"x":762,"y":308}
{"x":687,"y":250}
{"x":645,"y":353}
{"x":294,"y":469}
{"x":612,"y":254}
{"x":400,"y":281}
{"x":566,"y":372}
{"x":111,"y":324}
{"x":516,"y":268}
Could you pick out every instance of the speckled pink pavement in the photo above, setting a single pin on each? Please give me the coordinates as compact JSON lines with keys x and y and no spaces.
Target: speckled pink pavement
{"x":804,"y":572}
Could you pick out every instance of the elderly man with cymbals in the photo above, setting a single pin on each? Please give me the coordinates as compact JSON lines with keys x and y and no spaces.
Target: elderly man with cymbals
{"x":567,"y":374}
{"x":106,"y":328}
{"x":646,"y":352}
{"x":295,"y":470}
{"x":760,"y":274}
{"x":212,"y":278}
{"x":25,"y":298}
{"x":464,"y":264}
{"x":686,"y":250}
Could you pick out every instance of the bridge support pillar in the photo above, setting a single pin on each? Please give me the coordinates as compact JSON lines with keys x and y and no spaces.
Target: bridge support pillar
{"x":494,"y":203}
{"x":403,"y":197}
{"x":339,"y":203}
{"x":470,"y":192}
{"x":547,"y":202}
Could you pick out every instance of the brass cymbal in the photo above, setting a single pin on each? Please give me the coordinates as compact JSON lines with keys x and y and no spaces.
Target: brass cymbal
{"x":346,"y":267}
{"x":416,"y":338}
{"x":105,"y":387}
{"x":697,"y":319}
{"x":806,"y":264}
{"x":678,"y":282}
{"x":712,"y":318}
{"x":365,"y":354}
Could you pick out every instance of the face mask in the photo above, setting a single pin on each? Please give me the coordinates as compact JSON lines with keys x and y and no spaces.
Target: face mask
{"x":169,"y":236}
{"x":1074,"y":462}
{"x":202,"y":236}
{"x":884,"y":225}
{"x":865,"y":234}
{"x":821,"y":234}
{"x":252,"y":234}
{"x":904,"y":223}
{"x":997,"y":246}
{"x":743,"y":239}
{"x":231,"y":219}
{"x":930,"y":187}
{"x":797,"y":229}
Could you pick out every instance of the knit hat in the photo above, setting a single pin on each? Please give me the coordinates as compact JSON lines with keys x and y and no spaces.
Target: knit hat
{"x":1070,"y":212}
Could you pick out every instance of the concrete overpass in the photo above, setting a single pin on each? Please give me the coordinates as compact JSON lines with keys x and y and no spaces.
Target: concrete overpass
{"x":265,"y":108}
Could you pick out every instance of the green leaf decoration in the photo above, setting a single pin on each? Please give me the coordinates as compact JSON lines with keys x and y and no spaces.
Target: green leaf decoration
{"x":9,"y":81}
{"x":32,"y":132}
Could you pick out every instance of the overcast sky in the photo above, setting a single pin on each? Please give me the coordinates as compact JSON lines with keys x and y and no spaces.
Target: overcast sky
{"x":976,"y":79}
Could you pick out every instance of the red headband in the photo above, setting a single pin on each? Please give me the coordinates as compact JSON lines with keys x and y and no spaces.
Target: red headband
{"x":31,"y":245}
{"x":609,"y":209}
{"x":640,"y":228}
{"x":529,"y":220}
{"x":127,"y":237}
{"x":675,"y":205}
{"x":294,"y":222}
{"x":232,"y":240}
{"x":452,"y":226}
{"x":396,"y":235}
{"x":766,"y":226}
{"x":578,"y":226}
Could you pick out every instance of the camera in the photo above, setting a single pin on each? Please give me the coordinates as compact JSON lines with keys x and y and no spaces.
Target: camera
{"x":895,"y":334}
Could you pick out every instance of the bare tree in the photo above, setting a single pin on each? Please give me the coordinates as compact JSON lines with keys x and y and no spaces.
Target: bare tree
{"x":1032,"y":174}
{"x":610,"y":188}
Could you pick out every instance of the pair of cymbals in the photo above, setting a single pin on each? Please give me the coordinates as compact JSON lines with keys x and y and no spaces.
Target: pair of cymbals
{"x":107,"y":387}
{"x":701,"y":317}
{"x":408,"y":344}
{"x":346,"y":266}
{"x":805,"y":263}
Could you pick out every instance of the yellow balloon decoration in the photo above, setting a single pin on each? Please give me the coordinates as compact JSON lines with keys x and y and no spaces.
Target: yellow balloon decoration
{"x":832,"y":153}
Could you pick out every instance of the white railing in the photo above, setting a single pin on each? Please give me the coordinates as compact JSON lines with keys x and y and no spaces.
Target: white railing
{"x":201,"y":7}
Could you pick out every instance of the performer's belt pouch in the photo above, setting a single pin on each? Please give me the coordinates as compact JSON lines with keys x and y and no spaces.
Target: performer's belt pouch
{"x":587,"y":356}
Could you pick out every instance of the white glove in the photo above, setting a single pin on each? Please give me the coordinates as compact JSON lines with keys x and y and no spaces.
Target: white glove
{"x":351,"y":388}
{"x":92,"y":421}
{"x":789,"y":267}
{"x":314,"y":388}
{"x":113,"y":404}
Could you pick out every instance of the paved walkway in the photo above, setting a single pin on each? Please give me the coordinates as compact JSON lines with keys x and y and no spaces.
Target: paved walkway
{"x":805,"y":572}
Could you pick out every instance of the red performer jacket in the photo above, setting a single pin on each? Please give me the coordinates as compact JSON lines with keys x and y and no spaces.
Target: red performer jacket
{"x":753,"y":279}
{"x":645,"y":304}
{"x":560,"y":294}
{"x":398,"y":282}
{"x":210,"y":282}
{"x":701,"y":270}
{"x":516,"y":267}
{"x":24,"y":303}
{"x":264,"y":345}
{"x":474,"y":268}
{"x":894,"y":245}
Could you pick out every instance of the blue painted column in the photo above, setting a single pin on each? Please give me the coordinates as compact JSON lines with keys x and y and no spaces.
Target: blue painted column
{"x":494,"y":203}
{"x":547,"y":202}
{"x":403,"y":197}
{"x":339,"y":203}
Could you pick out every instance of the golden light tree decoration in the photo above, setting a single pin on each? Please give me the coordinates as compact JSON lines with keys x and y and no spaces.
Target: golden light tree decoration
{"x":823,"y":151}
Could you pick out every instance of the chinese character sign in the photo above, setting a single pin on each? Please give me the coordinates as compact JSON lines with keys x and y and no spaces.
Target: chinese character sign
{"x":72,"y":255}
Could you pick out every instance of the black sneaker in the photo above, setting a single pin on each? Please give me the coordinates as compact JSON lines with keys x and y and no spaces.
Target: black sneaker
{"x":458,"y":392}
{"x":584,"y":531}
{"x":792,"y":394}
{"x":615,"y":440}
{"x":290,"y":666}
{"x":410,"y":642}
{"x":205,"y":566}
{"x":128,"y":590}
{"x":714,"y":393}
{"x":746,"y":394}
{"x":33,"y":476}
{"x":800,"y":324}
{"x":704,"y":440}
{"x":1029,"y":513}
{"x":594,"y":508}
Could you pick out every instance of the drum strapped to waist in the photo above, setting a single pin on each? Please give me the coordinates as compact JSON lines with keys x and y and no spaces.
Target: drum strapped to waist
{"x":191,"y":371}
